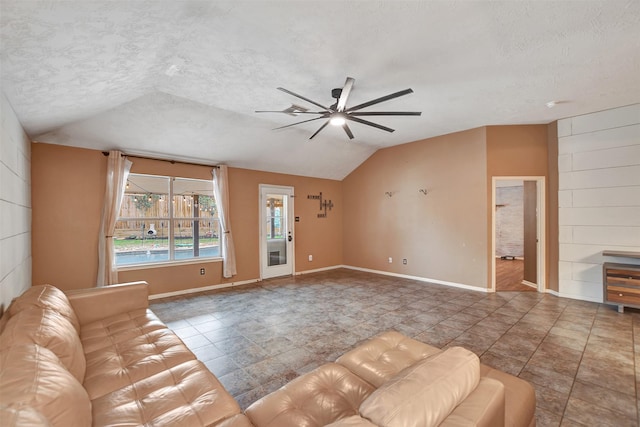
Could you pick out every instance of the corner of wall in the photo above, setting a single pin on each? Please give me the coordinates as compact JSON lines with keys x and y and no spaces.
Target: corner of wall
{"x":552,"y":207}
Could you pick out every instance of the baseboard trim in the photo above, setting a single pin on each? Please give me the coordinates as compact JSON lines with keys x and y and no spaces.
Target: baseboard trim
{"x":530,"y":284}
{"x":552,"y":292}
{"x":420,"y":279}
{"x":576,"y":297}
{"x":317,"y":270}
{"x":202,"y":289}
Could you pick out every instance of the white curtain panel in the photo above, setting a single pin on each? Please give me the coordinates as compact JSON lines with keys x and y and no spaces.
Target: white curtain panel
{"x":221,"y":195}
{"x":118,"y":168}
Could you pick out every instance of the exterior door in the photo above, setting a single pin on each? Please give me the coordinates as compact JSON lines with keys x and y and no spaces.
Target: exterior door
{"x":276,"y":231}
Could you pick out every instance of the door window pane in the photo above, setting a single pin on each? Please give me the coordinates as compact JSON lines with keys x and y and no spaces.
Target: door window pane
{"x":276,"y":228}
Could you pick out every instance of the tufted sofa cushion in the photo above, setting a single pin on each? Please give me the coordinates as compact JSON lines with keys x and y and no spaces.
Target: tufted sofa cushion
{"x":424,"y":394}
{"x":45,"y":296}
{"x":37,"y":386}
{"x":49,"y":329}
{"x":327,"y":394}
{"x":122,"y":362}
{"x":238,"y":420}
{"x":382,"y":357}
{"x":118,"y":328}
{"x":184,"y":395}
{"x":352,"y":421}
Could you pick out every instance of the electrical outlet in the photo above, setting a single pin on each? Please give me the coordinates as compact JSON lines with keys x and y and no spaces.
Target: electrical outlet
{"x":310,"y":258}
{"x":390,"y":260}
{"x":404,"y":261}
{"x":202,"y":271}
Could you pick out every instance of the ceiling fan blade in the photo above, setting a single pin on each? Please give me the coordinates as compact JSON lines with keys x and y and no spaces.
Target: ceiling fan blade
{"x":295,"y":112}
{"x":321,"y":127}
{"x":302,"y":97}
{"x":344,"y":95}
{"x":347,"y":130}
{"x":386,"y":113}
{"x":298,"y":123}
{"x":367,"y":122}
{"x":379,"y":100}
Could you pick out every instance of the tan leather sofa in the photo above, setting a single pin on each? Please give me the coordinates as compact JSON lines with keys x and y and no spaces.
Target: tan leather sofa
{"x":101,"y":357}
{"x":392,"y":380}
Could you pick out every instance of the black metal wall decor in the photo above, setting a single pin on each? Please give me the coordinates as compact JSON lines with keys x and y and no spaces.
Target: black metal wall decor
{"x":324,"y":204}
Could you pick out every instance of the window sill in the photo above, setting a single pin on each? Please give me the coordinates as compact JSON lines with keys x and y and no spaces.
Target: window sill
{"x":131,"y":267}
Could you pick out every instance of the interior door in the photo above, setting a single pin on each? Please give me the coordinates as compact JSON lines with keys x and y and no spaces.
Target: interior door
{"x":276,"y":231}
{"x":530,"y":215}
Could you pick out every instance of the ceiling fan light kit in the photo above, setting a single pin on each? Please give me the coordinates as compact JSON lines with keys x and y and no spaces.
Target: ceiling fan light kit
{"x":338,"y":114}
{"x":337,"y":120}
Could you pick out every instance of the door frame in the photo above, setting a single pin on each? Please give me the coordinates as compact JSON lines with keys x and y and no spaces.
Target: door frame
{"x":541,"y":228}
{"x":277,"y":189}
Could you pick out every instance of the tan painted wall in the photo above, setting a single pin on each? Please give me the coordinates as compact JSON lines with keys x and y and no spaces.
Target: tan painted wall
{"x":519,"y":150}
{"x":66,"y":193}
{"x":443,"y":234}
{"x":68,"y":186}
{"x":320,"y":237}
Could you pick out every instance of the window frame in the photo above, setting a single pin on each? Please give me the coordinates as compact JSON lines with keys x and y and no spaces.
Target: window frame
{"x":171,"y":220}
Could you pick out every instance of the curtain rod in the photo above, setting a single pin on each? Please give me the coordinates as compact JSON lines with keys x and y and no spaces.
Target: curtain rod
{"x":173,"y":162}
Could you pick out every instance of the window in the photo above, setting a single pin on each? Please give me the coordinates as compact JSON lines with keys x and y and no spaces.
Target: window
{"x":166,"y":219}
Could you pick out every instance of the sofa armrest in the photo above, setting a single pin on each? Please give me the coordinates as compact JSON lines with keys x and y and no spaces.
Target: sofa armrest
{"x":484,"y":407}
{"x":93,"y":304}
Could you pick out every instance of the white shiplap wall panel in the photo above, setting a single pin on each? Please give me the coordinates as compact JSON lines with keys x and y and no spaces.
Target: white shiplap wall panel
{"x":565,"y":271}
{"x":612,"y":196}
{"x":605,"y":235}
{"x":610,"y":158}
{"x":627,"y":216}
{"x":15,"y":206}
{"x":601,"y":140}
{"x":585,"y":272}
{"x":565,"y":163}
{"x":566,"y":234}
{"x":576,"y":289}
{"x":565,"y":198}
{"x":590,"y":254}
{"x":608,"y":119}
{"x":599,"y":197}
{"x":598,"y":178}
{"x":564,"y":128}
{"x":576,"y":252}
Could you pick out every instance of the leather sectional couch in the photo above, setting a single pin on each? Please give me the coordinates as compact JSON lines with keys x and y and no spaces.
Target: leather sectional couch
{"x":100,"y":357}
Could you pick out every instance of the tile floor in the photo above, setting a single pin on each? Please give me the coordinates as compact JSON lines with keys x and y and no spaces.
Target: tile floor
{"x":583,"y":358}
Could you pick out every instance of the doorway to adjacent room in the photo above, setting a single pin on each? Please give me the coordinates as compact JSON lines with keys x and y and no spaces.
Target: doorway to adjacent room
{"x":518,"y":234}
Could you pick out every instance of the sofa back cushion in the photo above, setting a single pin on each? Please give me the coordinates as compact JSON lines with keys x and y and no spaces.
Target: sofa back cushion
{"x":379,"y":359}
{"x":425,"y":393}
{"x":45,"y":296}
{"x":35,"y":385}
{"x":48,"y":329}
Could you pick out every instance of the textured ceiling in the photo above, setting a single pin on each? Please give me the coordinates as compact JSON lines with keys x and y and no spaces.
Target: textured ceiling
{"x":181,"y":79}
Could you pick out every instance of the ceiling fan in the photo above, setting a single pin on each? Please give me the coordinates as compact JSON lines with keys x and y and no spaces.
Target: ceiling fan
{"x":338,"y":114}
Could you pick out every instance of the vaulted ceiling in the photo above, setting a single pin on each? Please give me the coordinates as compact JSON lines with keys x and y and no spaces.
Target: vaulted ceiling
{"x":182,"y":79}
